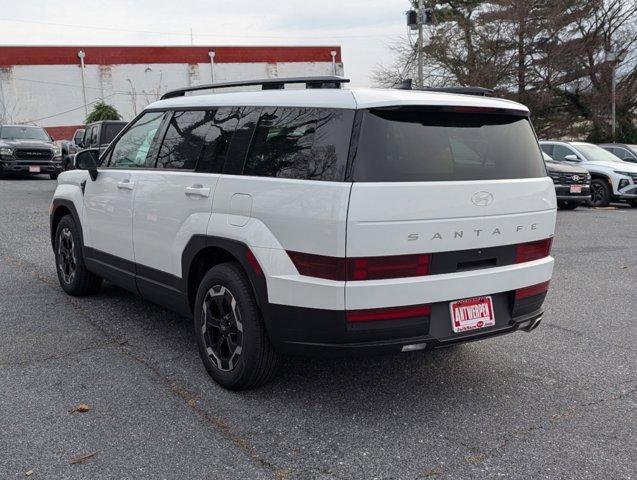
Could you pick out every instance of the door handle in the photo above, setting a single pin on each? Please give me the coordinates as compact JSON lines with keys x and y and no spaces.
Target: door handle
{"x":125,"y":184}
{"x":197,"y":190}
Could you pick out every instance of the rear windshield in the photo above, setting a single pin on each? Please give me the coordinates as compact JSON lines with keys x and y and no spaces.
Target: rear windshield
{"x":110,"y":131}
{"x":417,"y":145}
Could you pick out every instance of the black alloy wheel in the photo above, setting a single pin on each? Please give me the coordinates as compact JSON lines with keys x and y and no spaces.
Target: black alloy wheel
{"x":600,"y":193}
{"x":222,"y":329}
{"x":67,"y":263}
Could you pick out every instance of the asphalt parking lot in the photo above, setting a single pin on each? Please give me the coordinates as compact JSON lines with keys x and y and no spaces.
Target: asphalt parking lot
{"x":556,"y":403}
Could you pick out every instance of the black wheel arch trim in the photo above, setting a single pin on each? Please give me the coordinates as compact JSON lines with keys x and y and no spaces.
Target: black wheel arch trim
{"x":236,"y":248}
{"x":54,"y":219}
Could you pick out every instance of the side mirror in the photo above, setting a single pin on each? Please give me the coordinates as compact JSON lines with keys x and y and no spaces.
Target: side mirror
{"x":87,"y":160}
{"x":572,"y":158}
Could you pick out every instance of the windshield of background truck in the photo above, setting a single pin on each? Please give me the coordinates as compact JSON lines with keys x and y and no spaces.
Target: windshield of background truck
{"x":24,"y":133}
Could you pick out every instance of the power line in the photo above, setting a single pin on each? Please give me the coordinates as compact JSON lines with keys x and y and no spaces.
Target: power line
{"x":187,"y":34}
{"x":72,"y":109}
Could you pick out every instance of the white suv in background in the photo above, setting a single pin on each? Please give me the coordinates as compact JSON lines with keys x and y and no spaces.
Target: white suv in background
{"x":316,"y":221}
{"x":611,"y":178}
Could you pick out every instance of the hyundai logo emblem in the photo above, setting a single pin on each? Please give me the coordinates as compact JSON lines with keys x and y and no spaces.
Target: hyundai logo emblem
{"x":576,"y":177}
{"x":482,"y":199}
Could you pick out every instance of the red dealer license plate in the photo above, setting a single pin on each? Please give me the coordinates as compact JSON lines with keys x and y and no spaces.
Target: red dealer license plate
{"x":34,"y":169}
{"x":471,"y":314}
{"x":576,"y":189}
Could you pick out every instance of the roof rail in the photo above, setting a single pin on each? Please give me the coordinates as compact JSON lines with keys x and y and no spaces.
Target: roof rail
{"x":327,"y":81}
{"x":407,"y":85}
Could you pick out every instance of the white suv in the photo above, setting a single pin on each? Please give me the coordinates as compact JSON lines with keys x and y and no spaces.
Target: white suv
{"x":316,"y":221}
{"x":612,"y":179}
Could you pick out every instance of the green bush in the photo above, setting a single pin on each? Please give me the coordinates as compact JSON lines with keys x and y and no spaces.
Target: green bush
{"x":103,"y":111}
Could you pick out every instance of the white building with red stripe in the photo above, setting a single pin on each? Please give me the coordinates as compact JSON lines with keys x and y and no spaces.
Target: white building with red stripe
{"x":55,"y":86}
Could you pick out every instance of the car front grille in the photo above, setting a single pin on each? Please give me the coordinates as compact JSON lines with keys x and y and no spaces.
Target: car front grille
{"x":34,"y":153}
{"x":570,"y":179}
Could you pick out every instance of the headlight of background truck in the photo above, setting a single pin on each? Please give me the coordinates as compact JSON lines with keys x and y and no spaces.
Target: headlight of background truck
{"x":7,"y":152}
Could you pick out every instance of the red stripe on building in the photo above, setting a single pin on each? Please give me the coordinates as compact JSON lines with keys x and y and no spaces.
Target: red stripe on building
{"x":63,"y":131}
{"x":23,"y":55}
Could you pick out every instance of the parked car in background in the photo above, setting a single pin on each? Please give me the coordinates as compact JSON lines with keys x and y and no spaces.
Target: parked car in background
{"x":623,"y":151}
{"x":70,"y":147}
{"x":572,"y":183}
{"x":100,"y":134}
{"x":28,"y":149}
{"x":611,"y":178}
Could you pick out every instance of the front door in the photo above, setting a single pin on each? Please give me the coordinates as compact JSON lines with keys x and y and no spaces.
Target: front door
{"x":108,"y":202}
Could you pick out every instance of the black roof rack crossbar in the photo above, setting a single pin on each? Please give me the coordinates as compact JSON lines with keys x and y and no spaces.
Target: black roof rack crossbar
{"x":407,"y":85}
{"x":327,"y":81}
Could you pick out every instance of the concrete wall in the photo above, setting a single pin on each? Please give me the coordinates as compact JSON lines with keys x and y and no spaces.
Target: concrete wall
{"x":50,"y":95}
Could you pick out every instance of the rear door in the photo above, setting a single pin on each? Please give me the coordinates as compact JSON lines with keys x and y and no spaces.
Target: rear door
{"x":428,"y":182}
{"x":173,"y":200}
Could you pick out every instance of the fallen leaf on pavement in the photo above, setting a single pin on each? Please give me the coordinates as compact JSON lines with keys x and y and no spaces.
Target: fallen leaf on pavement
{"x":28,"y":473}
{"x":82,"y":408}
{"x":81,"y":458}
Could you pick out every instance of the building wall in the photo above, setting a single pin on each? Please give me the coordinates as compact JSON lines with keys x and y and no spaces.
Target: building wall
{"x":51,"y":94}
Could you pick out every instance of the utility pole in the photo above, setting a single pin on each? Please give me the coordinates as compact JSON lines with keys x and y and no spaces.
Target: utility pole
{"x":421,"y":12}
{"x":81,"y":54}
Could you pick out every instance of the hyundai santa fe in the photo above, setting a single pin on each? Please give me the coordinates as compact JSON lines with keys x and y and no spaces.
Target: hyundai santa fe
{"x":316,"y":221}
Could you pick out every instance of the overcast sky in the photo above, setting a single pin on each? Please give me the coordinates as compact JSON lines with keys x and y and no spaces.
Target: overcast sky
{"x":361,"y":27}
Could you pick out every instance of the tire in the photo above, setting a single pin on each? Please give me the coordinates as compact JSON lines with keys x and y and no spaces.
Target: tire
{"x":222,"y":328}
{"x":54,"y":176}
{"x":568,"y":205}
{"x":600,"y":193}
{"x":73,"y":275}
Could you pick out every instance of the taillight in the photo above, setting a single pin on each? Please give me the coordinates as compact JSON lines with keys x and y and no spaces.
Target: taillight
{"x":254,"y":263}
{"x":321,"y":266}
{"x":526,"y":252}
{"x":531,"y":291}
{"x":391,"y":313}
{"x":361,"y":268}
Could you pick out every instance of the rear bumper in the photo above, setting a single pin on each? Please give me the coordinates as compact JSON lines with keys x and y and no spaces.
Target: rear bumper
{"x":303,"y":331}
{"x":574,"y":198}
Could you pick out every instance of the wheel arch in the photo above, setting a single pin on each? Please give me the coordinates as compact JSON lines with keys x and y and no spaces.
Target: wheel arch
{"x":204,"y":252}
{"x":60,"y":208}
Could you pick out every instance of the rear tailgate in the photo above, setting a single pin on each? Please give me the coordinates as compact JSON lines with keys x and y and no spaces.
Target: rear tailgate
{"x":471,"y":184}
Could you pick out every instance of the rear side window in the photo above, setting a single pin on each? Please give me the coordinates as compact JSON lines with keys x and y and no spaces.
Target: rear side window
{"x":185,"y":139}
{"x":419,"y":145}
{"x":282,"y":143}
{"x":300,"y":143}
{"x":218,"y":140}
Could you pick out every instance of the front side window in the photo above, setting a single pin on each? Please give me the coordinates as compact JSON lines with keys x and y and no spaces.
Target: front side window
{"x":560,"y":152}
{"x":185,"y":139}
{"x":411,"y":145}
{"x":133,"y":149}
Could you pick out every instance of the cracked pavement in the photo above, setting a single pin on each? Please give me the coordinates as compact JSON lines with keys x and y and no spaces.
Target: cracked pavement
{"x":556,"y":403}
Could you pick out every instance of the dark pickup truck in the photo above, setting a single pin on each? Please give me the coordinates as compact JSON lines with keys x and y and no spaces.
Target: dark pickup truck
{"x":28,"y":149}
{"x":100,"y":134}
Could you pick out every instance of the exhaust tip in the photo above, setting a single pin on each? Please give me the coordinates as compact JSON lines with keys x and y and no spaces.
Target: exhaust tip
{"x":533,"y":324}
